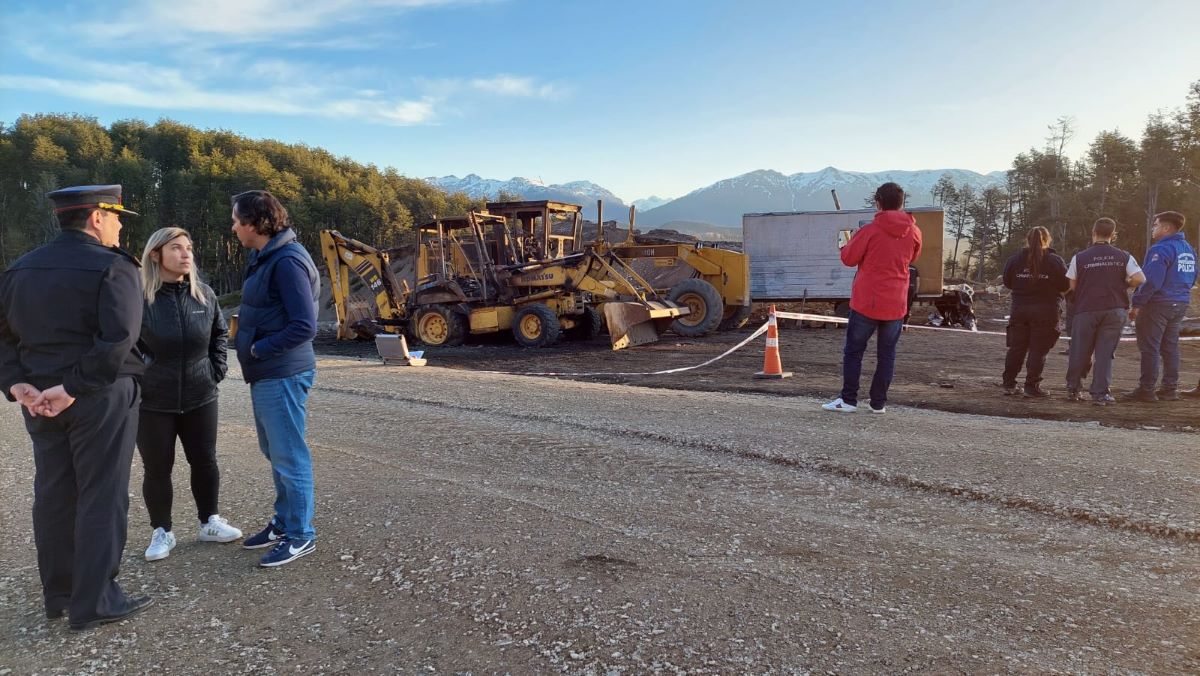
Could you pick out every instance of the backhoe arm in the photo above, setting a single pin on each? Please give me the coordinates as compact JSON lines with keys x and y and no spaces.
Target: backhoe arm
{"x":343,"y":254}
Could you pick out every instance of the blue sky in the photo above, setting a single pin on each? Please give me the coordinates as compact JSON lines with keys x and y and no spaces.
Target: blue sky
{"x":649,"y":97}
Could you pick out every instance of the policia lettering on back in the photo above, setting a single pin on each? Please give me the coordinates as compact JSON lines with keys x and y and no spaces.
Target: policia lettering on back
{"x":70,"y":318}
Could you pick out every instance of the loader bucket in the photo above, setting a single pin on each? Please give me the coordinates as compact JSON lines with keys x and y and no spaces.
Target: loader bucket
{"x":638,"y":323}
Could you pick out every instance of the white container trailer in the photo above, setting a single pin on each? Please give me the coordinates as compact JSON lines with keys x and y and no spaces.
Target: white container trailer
{"x":795,"y":256}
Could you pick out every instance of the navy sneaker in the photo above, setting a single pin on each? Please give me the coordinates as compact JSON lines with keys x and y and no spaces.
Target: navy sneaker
{"x":267,"y":537}
{"x":287,"y":551}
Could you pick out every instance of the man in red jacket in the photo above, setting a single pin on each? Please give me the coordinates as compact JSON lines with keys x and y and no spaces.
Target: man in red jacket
{"x":883,"y":249}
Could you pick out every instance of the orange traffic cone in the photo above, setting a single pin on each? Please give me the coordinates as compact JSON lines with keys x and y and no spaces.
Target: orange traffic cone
{"x":772,"y":366}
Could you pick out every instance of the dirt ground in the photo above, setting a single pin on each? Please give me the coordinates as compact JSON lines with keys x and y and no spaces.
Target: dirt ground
{"x":473,"y":522}
{"x":947,"y":371}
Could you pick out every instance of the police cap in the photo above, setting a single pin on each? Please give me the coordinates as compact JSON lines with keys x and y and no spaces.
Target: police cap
{"x":107,"y":197}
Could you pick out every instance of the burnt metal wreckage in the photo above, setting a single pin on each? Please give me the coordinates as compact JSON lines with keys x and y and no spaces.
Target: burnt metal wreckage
{"x":513,"y":268}
{"x":526,"y":267}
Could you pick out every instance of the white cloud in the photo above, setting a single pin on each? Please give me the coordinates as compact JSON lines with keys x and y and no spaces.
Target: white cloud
{"x":499,"y":85}
{"x":299,"y":100}
{"x":249,"y":20}
{"x":277,"y":70}
{"x":157,"y":76}
{"x":225,"y":57}
{"x":508,"y":85}
{"x":396,"y":113}
{"x":265,"y":86}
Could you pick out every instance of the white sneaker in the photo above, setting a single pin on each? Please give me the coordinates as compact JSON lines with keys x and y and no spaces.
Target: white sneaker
{"x":881,"y":409}
{"x":218,"y":530}
{"x":161,"y":544}
{"x":839,"y":406}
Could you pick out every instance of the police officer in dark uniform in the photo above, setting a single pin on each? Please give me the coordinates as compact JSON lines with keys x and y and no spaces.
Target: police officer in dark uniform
{"x":70,"y":316}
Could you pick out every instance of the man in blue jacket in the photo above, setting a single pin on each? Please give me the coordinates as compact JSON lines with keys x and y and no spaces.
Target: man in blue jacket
{"x":277,"y":322}
{"x":1159,"y":306}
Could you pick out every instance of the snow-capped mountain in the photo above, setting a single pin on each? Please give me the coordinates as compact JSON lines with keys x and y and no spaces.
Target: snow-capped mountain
{"x":724,"y":202}
{"x":576,"y":192}
{"x":648,"y":203}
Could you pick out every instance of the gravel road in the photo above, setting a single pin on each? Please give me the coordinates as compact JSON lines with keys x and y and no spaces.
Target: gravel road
{"x":478,"y":522}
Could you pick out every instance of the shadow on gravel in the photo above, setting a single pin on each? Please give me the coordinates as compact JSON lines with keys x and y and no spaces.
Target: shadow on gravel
{"x":601,"y":562}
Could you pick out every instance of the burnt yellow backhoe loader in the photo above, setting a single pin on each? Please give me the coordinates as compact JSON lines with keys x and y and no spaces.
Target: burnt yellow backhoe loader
{"x":717,"y":294}
{"x":385,"y":310}
{"x":538,"y":227}
{"x":485,"y":273}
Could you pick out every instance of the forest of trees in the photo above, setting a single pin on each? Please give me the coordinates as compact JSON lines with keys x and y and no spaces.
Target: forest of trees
{"x":179,"y":175}
{"x":174,"y":174}
{"x":1119,"y":177}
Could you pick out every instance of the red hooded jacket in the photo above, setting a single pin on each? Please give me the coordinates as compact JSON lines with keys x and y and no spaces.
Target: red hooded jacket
{"x":882,"y":249}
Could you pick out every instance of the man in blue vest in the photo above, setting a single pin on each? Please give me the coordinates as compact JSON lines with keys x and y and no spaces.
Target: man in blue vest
{"x":277,"y":322}
{"x":1101,"y":276}
{"x":1159,"y":306}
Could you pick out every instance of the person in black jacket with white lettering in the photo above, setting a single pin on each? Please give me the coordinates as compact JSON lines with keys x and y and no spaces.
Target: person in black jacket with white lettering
{"x":1038,"y":278}
{"x":183,"y":326}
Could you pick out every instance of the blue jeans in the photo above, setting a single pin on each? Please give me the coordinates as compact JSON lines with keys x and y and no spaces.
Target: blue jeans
{"x":858,"y":332}
{"x":1158,"y":327}
{"x":1094,"y":333}
{"x":279,"y":414}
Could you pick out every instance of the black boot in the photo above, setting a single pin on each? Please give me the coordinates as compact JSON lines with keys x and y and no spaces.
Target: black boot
{"x":1139,"y":394}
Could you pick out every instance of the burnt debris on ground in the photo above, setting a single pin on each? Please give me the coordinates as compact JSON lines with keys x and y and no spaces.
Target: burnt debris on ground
{"x":955,"y":372}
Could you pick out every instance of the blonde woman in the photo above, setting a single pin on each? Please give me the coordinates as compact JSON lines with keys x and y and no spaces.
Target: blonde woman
{"x":183,"y":326}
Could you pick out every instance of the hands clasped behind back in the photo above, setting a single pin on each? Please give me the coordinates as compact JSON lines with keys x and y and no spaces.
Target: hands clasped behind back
{"x":48,"y":404}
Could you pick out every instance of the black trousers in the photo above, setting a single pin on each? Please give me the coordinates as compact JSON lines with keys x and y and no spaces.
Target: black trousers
{"x":197,"y":431}
{"x":1032,"y":332}
{"x":81,"y":500}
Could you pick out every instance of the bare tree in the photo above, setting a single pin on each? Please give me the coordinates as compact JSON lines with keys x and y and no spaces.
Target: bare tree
{"x":958,"y":211}
{"x":1160,"y":163}
{"x":1061,"y":133}
{"x":943,"y":190}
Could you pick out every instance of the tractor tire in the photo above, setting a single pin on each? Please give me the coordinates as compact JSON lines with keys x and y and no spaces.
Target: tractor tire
{"x":587,"y":326}
{"x":536,"y":325}
{"x":736,"y":319}
{"x":438,"y":326}
{"x":706,"y":307}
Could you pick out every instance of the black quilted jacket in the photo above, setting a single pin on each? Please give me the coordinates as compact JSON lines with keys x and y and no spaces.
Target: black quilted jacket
{"x":188,"y":342}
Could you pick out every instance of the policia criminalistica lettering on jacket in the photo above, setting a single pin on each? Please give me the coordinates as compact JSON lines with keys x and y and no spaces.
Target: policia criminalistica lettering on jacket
{"x":70,"y":317}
